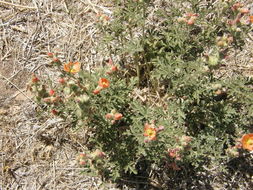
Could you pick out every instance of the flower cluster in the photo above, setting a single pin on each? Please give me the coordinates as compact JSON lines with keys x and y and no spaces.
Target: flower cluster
{"x":35,"y":79}
{"x":90,"y":159}
{"x":112,"y":67}
{"x":82,"y":159}
{"x":175,"y":153}
{"x":114,"y":116}
{"x":240,"y":10}
{"x":239,"y":7}
{"x":224,"y":41}
{"x":103,"y":18}
{"x":188,"y":18}
{"x":54,"y":59}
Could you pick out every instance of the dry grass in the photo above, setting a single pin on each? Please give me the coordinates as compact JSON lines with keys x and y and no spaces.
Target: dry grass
{"x":40,"y":153}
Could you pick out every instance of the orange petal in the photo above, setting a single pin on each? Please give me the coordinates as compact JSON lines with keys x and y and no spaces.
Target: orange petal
{"x":66,"y":67}
{"x":76,"y":67}
{"x":251,"y":19}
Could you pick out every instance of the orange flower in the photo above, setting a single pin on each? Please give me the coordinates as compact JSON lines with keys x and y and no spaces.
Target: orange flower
{"x":72,"y":67}
{"x":104,"y":83}
{"x":247,"y":141}
{"x":149,"y":132}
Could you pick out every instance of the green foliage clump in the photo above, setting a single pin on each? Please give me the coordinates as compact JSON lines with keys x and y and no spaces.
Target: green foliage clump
{"x":160,"y":104}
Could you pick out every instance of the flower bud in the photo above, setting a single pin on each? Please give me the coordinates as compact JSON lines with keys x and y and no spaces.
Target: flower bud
{"x":114,"y":68}
{"x":56,"y":60}
{"x":82,"y":155}
{"x":110,"y":62}
{"x":83,"y":98}
{"x":244,"y":10}
{"x":173,"y":153}
{"x":54,"y":112}
{"x":82,"y":162}
{"x":216,"y":86}
{"x":51,"y":92}
{"x":35,"y":79}
{"x":67,"y":90}
{"x":159,"y":129}
{"x":181,"y":19}
{"x":221,"y":43}
{"x":190,"y":21}
{"x":174,"y":166}
{"x":232,"y":151}
{"x":118,"y":116}
{"x":236,"y":6}
{"x":96,"y":91}
{"x":98,"y":154}
{"x":185,"y":140}
{"x":61,"y":80}
{"x":49,"y":54}
{"x":213,"y":60}
{"x":113,"y":111}
{"x":108,"y":116}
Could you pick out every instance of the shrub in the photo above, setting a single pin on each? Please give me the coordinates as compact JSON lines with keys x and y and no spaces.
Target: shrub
{"x":159,"y":102}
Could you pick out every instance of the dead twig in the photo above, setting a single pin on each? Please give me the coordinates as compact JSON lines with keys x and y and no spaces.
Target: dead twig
{"x":1,"y":76}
